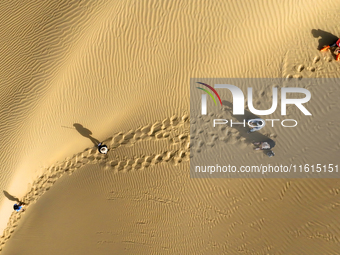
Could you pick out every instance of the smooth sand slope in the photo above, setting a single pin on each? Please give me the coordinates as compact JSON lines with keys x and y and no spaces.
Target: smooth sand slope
{"x":74,"y":73}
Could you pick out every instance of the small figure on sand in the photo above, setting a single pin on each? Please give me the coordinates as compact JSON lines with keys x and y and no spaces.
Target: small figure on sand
{"x":270,"y":154}
{"x":268,"y":145}
{"x":102,"y":148}
{"x":262,"y":146}
{"x":19,"y":206}
{"x":336,"y":48}
{"x":255,"y":124}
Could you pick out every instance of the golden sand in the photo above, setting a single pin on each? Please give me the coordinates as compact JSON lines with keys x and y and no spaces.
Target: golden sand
{"x":76,"y":72}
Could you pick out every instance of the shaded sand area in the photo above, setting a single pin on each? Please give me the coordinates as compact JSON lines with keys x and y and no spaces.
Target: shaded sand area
{"x":74,"y":73}
{"x":95,"y":211}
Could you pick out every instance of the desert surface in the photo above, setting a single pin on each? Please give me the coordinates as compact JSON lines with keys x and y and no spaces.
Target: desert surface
{"x":76,"y":73}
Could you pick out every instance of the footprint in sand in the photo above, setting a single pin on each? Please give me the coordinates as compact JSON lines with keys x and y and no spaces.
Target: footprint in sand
{"x":328,"y":59}
{"x":300,"y":68}
{"x":289,"y":77}
{"x":297,"y":76}
{"x":307,"y":69}
{"x":316,"y":59}
{"x":173,"y":126}
{"x":311,"y":68}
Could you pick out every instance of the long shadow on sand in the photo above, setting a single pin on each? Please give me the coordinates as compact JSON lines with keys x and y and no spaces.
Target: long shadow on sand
{"x":86,"y":133}
{"x":10,"y":197}
{"x":325,"y":38}
{"x":251,"y":137}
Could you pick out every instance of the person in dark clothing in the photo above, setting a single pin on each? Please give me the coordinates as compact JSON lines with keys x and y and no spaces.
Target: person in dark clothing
{"x":255,"y":124}
{"x":19,"y":206}
{"x":262,"y":146}
{"x":102,"y":148}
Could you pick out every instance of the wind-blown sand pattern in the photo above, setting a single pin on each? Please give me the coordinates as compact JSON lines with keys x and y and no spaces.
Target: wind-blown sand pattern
{"x":76,"y":72}
{"x":173,"y":130}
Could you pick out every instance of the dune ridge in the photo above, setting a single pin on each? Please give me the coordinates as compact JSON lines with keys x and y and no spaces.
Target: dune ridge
{"x":117,"y":65}
{"x":156,"y":131}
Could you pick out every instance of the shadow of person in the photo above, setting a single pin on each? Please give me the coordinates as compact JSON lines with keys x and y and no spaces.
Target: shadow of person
{"x":243,"y":131}
{"x":86,"y":133}
{"x":10,"y":197}
{"x":325,"y":38}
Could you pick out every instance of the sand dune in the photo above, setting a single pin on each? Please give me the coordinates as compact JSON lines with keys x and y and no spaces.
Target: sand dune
{"x":74,"y":73}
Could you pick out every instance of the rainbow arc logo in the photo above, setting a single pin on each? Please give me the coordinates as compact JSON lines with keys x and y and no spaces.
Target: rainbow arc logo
{"x":204,"y":97}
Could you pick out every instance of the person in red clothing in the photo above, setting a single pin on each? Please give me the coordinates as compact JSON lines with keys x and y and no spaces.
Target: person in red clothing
{"x":336,"y":44}
{"x":336,"y":51}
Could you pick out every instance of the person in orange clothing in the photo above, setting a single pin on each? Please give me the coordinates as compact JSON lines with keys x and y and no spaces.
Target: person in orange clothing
{"x":337,"y":49}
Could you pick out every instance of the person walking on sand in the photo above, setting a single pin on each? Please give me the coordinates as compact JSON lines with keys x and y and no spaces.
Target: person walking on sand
{"x":19,"y":206}
{"x":335,"y":44}
{"x":102,"y":148}
{"x":255,"y":124}
{"x":262,"y":146}
{"x":337,"y":49}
